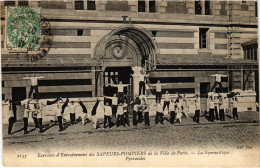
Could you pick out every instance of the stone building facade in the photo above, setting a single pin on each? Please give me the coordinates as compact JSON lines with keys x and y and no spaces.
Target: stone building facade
{"x":179,"y":42}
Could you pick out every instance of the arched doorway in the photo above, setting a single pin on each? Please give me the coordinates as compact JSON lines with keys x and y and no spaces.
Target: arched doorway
{"x":133,"y":41}
{"x":125,"y":47}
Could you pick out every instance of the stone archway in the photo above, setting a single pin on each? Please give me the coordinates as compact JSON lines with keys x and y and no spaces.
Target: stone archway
{"x":138,"y":42}
{"x":126,"y":46}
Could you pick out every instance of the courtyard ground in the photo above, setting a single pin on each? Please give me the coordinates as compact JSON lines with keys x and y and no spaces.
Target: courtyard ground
{"x":219,"y":134}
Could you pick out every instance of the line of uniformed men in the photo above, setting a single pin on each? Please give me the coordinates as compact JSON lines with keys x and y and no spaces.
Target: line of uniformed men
{"x":176,"y":108}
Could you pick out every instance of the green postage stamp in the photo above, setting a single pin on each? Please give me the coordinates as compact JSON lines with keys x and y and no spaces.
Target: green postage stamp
{"x":23,"y":28}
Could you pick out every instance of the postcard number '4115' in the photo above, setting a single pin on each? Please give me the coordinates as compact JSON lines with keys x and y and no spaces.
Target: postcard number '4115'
{"x":22,"y":156}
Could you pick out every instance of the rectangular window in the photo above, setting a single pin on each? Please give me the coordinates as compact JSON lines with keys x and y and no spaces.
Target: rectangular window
{"x":244,"y":51}
{"x":67,"y":82}
{"x":154,"y":33}
{"x":252,"y":54}
{"x":141,"y":5}
{"x":255,"y":53}
{"x":173,"y":79}
{"x":23,"y":3}
{"x":204,"y":88}
{"x":91,"y":5}
{"x":198,"y":8}
{"x":3,"y":83}
{"x":181,"y":90}
{"x":3,"y":96}
{"x":152,"y":6}
{"x":79,"y":32}
{"x":243,"y":1}
{"x":207,"y":7}
{"x":256,"y":9}
{"x":79,"y":5}
{"x":9,"y":3}
{"x":18,"y":93}
{"x":224,"y":79}
{"x":247,"y":54}
{"x":218,"y":90}
{"x":66,"y":94}
{"x":203,"y":37}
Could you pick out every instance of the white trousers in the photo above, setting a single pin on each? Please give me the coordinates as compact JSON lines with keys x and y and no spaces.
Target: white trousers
{"x":94,"y":120}
{"x":185,"y":110}
{"x":178,"y":116}
{"x":84,"y":116}
{"x":91,"y":118}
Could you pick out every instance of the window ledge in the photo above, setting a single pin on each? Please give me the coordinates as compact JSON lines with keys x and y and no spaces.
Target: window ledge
{"x":203,"y":15}
{"x":204,"y":50}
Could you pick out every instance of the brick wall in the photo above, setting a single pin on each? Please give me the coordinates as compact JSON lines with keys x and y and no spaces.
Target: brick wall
{"x":176,"y":7}
{"x":16,"y":80}
{"x":173,"y":39}
{"x":117,"y":6}
{"x":69,"y":45}
{"x":52,"y":4}
{"x":221,"y":35}
{"x":174,"y":34}
{"x":70,"y":32}
{"x":199,"y":77}
{"x":176,"y":45}
{"x":223,"y":10}
{"x":221,"y":46}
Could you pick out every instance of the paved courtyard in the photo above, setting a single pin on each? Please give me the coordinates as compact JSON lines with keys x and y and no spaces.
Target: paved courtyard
{"x":228,"y":134}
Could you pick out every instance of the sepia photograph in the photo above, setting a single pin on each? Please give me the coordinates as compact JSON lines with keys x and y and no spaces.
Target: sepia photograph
{"x":130,"y":83}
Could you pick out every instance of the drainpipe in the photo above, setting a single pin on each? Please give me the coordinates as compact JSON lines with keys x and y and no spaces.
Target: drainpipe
{"x":229,"y":29}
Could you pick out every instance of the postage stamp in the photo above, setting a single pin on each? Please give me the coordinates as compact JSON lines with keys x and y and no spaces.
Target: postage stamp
{"x":22,"y":28}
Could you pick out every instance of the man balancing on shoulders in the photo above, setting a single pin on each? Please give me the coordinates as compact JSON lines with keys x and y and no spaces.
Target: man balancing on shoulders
{"x":158,"y":87}
{"x":217,"y":81}
{"x":142,"y":77}
{"x":34,"y":84}
{"x":120,"y":90}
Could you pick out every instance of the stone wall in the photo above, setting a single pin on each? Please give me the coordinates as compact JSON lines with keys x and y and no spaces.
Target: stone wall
{"x":117,"y":6}
{"x":176,"y":7}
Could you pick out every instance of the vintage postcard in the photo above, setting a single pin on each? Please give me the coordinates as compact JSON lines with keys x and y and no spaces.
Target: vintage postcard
{"x":130,"y":83}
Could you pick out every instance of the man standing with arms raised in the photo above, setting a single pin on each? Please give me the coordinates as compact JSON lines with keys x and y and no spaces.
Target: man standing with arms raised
{"x":158,"y":87}
{"x":166,"y":102}
{"x":34,"y":84}
{"x":217,"y":82}
{"x":120,"y":90}
{"x":142,"y":78}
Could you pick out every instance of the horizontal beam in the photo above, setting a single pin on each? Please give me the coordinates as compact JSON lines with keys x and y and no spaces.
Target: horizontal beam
{"x":30,"y":72}
{"x":76,"y":88}
{"x":200,"y":69}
